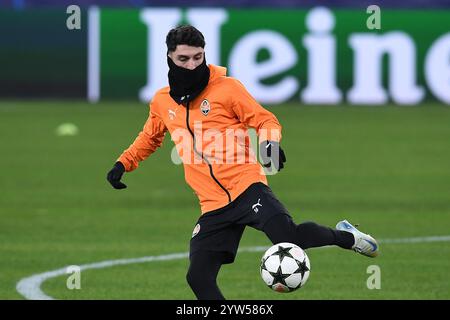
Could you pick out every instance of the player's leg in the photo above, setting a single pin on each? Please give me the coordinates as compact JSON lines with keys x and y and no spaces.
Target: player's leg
{"x":267,"y":213}
{"x":281,"y":228}
{"x":202,"y":274}
{"x":214,"y":242}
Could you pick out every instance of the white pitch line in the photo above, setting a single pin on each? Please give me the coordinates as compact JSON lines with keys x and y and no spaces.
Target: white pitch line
{"x":30,"y":287}
{"x":417,"y":239}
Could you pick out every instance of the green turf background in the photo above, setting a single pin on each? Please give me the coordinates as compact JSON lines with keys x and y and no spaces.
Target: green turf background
{"x":387,"y":168}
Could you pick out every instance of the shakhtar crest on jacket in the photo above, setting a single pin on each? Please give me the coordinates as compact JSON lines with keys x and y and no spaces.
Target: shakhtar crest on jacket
{"x":205,"y":107}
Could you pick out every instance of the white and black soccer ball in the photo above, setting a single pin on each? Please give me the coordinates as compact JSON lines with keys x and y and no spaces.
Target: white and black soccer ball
{"x":285,"y":267}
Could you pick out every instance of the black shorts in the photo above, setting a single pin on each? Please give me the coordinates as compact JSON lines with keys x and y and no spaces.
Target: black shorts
{"x":221,"y":230}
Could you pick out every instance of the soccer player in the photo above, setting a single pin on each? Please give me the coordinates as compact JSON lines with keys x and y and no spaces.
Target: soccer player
{"x":201,"y":99}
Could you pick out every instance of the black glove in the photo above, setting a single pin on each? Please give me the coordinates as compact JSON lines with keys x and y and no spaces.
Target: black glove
{"x":115,"y":175}
{"x":271,"y":154}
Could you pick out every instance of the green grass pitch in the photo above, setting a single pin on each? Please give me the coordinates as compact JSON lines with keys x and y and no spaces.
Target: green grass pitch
{"x":386,"y":168}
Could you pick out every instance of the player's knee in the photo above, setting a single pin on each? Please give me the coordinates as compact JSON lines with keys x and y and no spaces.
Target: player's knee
{"x":308,"y":227}
{"x":203,"y":285}
{"x":193,"y":278}
{"x":281,"y":229}
{"x":307,"y":233}
{"x":199,"y":278}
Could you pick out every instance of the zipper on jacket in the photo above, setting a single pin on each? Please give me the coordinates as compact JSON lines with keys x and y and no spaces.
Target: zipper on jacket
{"x":203,"y":157}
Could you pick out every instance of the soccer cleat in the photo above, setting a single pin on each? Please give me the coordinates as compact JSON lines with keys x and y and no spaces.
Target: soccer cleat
{"x":364,"y":243}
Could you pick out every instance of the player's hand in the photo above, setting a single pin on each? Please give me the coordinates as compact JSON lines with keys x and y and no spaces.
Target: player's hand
{"x":272,"y":155}
{"x":115,"y":174}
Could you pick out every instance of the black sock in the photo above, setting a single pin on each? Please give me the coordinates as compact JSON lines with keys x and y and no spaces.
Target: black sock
{"x":306,"y":235}
{"x":344,"y":239}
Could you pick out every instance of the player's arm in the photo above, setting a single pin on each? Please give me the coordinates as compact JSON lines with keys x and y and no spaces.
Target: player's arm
{"x":267,"y":127}
{"x":147,"y":141}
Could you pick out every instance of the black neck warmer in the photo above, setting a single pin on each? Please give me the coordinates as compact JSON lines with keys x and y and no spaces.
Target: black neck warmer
{"x":187,"y":84}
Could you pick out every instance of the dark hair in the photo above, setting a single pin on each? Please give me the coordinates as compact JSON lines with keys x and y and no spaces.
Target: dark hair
{"x":184,"y":35}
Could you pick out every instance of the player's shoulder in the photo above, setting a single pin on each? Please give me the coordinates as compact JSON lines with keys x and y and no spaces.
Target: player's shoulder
{"x":218,"y":77}
{"x":228,"y":82}
{"x":162,"y":93}
{"x":160,"y":98}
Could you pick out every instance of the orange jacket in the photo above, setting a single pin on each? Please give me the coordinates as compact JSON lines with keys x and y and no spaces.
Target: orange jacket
{"x":218,"y":164}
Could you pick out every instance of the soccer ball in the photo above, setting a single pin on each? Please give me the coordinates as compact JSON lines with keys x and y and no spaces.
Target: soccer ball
{"x":285,"y":267}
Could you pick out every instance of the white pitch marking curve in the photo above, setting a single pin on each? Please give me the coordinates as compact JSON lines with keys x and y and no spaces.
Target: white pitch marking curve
{"x":30,"y":287}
